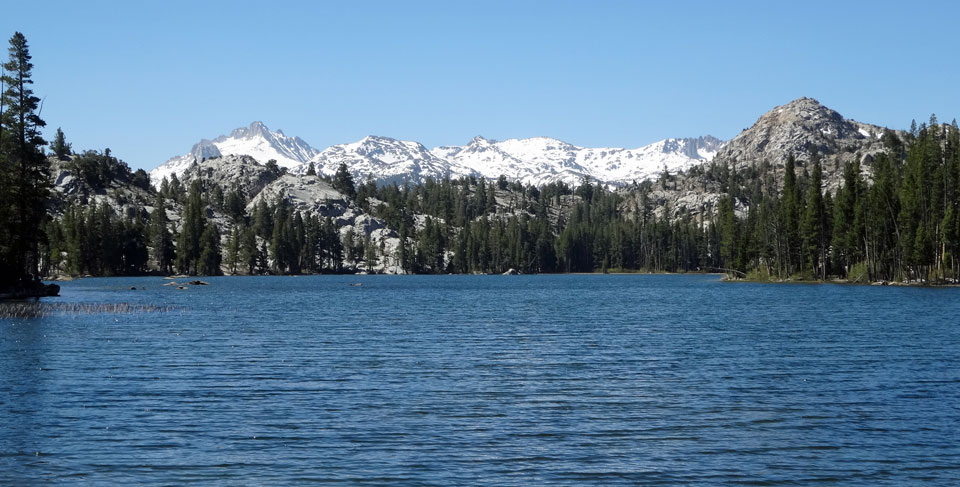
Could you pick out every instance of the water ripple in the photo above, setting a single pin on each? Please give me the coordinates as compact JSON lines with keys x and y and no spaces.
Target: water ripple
{"x":483,"y":380}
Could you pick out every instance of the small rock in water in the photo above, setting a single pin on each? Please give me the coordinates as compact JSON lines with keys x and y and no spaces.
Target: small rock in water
{"x":199,"y":283}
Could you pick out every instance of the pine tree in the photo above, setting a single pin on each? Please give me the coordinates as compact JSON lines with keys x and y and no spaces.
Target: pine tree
{"x":24,"y":170}
{"x":161,"y":242}
{"x":133,"y":246}
{"x":249,"y":252}
{"x":175,"y":189}
{"x":232,"y":259}
{"x":814,"y":222}
{"x":194,"y":221}
{"x":791,"y":205}
{"x":846,"y":237}
{"x":108,"y":245}
{"x":235,"y":206}
{"x":728,"y":232}
{"x":262,"y":220}
{"x":343,"y":182}
{"x":60,"y":147}
{"x":280,"y":240}
{"x":311,"y":169}
{"x":210,"y":256}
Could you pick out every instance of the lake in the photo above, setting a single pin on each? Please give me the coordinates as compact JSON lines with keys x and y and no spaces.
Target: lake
{"x":485,"y":380}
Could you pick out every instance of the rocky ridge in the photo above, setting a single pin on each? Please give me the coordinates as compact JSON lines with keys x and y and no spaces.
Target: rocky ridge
{"x":232,"y":172}
{"x":542,"y":160}
{"x":256,"y":140}
{"x":385,"y":161}
{"x":535,"y":160}
{"x":315,"y":196}
{"x":69,"y":189}
{"x":798,"y":128}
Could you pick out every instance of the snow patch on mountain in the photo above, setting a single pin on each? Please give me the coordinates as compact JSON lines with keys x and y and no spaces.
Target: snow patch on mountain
{"x":384,"y":160}
{"x":535,"y":160}
{"x":255,"y":140}
{"x":542,"y":160}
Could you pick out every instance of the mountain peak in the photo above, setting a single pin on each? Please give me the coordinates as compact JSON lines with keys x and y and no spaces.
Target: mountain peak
{"x":803,"y":108}
{"x":205,"y":149}
{"x":795,"y":129}
{"x":804,"y":100}
{"x":378,"y":139}
{"x":255,"y":140}
{"x":534,"y":160}
{"x":481,"y":140}
{"x":383,"y":159}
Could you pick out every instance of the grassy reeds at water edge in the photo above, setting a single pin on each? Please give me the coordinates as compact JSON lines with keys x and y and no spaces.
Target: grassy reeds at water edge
{"x":27,"y":309}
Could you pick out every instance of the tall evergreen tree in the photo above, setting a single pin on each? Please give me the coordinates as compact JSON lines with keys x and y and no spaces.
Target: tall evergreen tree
{"x":343,"y":182}
{"x":210,"y":256}
{"x":790,"y":211}
{"x":60,"y":147}
{"x":846,"y":235}
{"x":194,"y":221}
{"x":161,"y":242}
{"x":814,"y":222}
{"x":728,"y":233}
{"x":24,"y":170}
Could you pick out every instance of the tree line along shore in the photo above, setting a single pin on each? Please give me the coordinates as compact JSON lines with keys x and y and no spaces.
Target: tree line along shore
{"x":896,"y":220}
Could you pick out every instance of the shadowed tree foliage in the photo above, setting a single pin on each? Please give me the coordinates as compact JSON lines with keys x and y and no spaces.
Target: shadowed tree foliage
{"x":24,"y":170}
{"x":343,"y":181}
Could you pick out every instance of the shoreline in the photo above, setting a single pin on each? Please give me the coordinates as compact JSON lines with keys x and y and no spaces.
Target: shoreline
{"x":724,"y":277}
{"x":844,"y":282}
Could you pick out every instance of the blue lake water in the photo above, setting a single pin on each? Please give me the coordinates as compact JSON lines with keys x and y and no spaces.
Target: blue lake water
{"x":485,"y":380}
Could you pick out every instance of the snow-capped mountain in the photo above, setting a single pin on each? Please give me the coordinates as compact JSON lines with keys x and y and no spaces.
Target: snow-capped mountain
{"x":255,"y":140}
{"x":541,"y":160}
{"x":386,"y":161}
{"x":536,"y":160}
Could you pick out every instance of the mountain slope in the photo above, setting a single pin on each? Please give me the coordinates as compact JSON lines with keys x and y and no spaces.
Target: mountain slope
{"x":385,"y":161}
{"x":795,"y":129}
{"x":541,"y":160}
{"x":536,"y":160}
{"x":255,"y":140}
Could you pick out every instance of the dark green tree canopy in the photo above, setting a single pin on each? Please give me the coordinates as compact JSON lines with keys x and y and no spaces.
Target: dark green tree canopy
{"x":343,"y":181}
{"x":24,"y":170}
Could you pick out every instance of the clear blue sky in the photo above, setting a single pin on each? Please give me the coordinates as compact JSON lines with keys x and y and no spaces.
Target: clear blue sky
{"x":149,"y":79}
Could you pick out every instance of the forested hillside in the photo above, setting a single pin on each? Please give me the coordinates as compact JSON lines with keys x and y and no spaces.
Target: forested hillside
{"x":803,"y":194}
